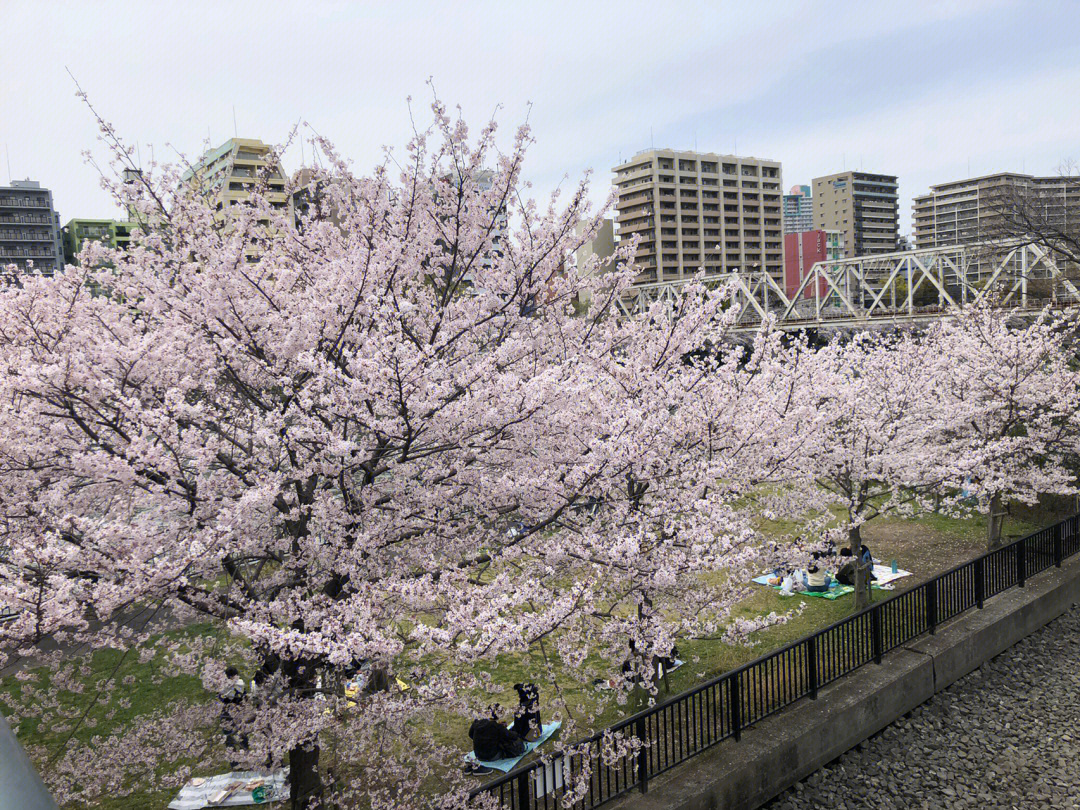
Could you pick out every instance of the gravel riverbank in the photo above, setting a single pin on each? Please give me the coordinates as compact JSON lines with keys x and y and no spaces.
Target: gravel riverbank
{"x":1005,"y":736}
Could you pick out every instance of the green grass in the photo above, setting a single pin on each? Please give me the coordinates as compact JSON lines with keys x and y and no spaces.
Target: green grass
{"x":150,"y":687}
{"x":153,"y":687}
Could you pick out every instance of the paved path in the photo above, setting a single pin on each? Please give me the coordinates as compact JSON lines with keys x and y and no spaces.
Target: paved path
{"x":1005,"y":736}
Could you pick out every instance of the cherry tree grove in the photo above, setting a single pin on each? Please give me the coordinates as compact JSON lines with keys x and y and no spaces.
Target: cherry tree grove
{"x":400,"y":433}
{"x":382,"y":436}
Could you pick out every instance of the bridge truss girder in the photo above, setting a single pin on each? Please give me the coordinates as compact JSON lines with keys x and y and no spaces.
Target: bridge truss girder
{"x":884,"y":287}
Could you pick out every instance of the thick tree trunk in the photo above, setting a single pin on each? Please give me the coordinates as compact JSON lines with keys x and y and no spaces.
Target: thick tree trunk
{"x":862,"y":572}
{"x":995,"y":524}
{"x":305,"y":780}
{"x":305,"y":783}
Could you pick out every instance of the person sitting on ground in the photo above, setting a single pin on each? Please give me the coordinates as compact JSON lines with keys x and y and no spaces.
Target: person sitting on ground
{"x":493,"y":741}
{"x":817,"y":581}
{"x":865,"y":557}
{"x":231,"y":697}
{"x":845,"y":575}
{"x":668,"y":662}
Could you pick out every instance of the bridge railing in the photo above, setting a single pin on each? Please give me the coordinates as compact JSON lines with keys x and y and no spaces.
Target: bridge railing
{"x":690,"y":723}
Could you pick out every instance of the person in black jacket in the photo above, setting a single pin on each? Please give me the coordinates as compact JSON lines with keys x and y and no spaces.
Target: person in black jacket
{"x":492,"y":740}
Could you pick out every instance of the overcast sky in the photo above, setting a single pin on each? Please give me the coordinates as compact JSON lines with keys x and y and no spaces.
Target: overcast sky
{"x":930,"y":91}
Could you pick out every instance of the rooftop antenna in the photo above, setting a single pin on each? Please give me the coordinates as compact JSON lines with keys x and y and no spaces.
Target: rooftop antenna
{"x":7,"y":152}
{"x":652,"y":143}
{"x":235,"y":135}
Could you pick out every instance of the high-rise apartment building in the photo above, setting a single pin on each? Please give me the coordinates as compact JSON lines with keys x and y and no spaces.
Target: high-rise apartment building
{"x":230,"y":172}
{"x":29,"y":229}
{"x":696,"y":211}
{"x":864,"y":207}
{"x":968,"y":212}
{"x":798,"y":210}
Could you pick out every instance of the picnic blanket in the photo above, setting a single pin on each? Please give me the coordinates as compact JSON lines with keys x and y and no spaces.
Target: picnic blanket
{"x":505,"y":765}
{"x":883,"y":576}
{"x":191,"y":797}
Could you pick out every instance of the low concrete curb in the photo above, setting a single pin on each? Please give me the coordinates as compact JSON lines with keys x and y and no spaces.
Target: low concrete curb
{"x":781,"y":750}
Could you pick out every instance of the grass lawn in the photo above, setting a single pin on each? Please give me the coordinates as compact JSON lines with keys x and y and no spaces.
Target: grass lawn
{"x":925,"y":545}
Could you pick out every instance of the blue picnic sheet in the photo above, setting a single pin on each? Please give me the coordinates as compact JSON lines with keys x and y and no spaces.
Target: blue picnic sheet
{"x":505,"y":765}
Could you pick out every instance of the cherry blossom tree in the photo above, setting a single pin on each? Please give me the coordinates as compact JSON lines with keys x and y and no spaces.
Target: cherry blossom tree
{"x":1011,"y":400}
{"x":323,"y":437}
{"x":877,"y":450}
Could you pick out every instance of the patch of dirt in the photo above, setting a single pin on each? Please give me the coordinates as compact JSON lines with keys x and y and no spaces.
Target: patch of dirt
{"x":923,"y":551}
{"x":926,"y":551}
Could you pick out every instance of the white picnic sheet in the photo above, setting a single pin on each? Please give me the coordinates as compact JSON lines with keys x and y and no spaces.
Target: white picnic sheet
{"x":195,"y":798}
{"x":885,"y":574}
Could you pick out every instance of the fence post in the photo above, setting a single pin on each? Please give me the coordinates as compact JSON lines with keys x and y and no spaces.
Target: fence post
{"x":1021,"y":562}
{"x":875,"y":632}
{"x":811,"y":663}
{"x":642,"y":756}
{"x":931,"y":605}
{"x":523,"y":790}
{"x":980,"y":581}
{"x":1059,"y":530}
{"x":735,"y":705}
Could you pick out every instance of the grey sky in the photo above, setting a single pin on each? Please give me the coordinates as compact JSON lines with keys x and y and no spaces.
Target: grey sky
{"x":930,"y":91}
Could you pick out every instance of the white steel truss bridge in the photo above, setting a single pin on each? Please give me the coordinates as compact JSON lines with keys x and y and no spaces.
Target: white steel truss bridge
{"x":901,"y":287}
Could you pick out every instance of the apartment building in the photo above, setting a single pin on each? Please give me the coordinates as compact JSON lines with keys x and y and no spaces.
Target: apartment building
{"x":230,"y":172}
{"x":863,"y":206}
{"x":77,"y":232}
{"x":968,"y":212}
{"x":802,"y":251}
{"x":29,"y":229}
{"x":700,"y":211}
{"x":601,"y":245}
{"x":798,"y":210}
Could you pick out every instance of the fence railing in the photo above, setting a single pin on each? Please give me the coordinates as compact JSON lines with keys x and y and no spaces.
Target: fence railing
{"x":692,"y":722}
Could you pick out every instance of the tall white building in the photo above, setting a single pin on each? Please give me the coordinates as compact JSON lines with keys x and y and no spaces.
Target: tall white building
{"x":700,"y":211}
{"x":798,"y":210}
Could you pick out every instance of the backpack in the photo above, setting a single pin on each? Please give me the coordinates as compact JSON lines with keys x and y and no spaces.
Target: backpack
{"x":527,"y":721}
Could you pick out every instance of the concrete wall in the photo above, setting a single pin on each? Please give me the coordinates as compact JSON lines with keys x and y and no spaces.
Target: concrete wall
{"x":787,"y":747}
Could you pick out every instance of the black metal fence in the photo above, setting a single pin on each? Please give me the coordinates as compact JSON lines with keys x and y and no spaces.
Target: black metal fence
{"x":694,"y":721}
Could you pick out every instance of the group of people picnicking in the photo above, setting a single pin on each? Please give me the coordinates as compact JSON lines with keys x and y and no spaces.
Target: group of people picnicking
{"x":817,"y":578}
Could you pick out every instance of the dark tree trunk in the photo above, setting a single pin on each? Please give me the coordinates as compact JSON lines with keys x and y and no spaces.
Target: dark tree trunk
{"x":305,"y":783}
{"x":862,"y":571}
{"x":995,"y":524}
{"x":305,"y":780}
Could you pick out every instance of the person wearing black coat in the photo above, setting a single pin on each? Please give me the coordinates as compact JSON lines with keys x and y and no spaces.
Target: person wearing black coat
{"x":492,"y":740}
